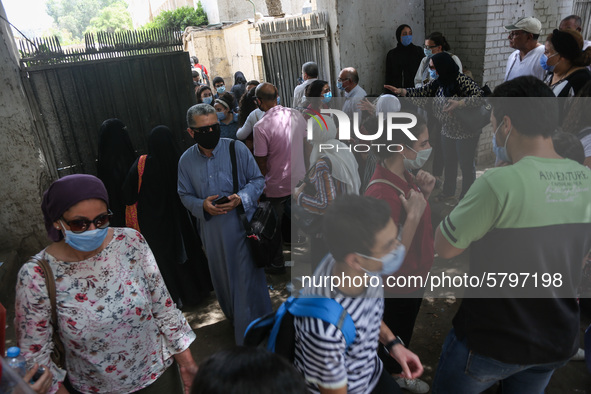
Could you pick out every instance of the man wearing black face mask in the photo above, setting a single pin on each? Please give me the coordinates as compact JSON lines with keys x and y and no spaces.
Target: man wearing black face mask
{"x":205,"y":175}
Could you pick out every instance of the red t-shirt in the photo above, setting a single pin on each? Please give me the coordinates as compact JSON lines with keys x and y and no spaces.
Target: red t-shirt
{"x":419,"y":257}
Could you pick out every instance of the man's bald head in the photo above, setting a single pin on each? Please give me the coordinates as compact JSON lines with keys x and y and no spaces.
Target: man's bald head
{"x":267,"y":94}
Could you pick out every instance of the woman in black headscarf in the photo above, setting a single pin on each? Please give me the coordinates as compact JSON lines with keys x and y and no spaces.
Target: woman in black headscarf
{"x":403,"y":61}
{"x":451,"y":91}
{"x":239,"y":86}
{"x":164,"y":221}
{"x":115,"y":157}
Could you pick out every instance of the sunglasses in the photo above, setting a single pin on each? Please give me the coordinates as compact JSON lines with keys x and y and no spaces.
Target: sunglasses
{"x":206,"y":129}
{"x":78,"y":226}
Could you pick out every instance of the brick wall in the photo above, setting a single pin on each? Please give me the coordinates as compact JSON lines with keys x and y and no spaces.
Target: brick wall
{"x":475,"y":30}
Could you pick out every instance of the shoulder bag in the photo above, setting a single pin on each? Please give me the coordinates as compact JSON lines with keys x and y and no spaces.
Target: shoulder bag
{"x":261,"y":232}
{"x":58,"y":354}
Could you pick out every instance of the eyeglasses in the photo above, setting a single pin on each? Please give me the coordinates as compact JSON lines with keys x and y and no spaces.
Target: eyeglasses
{"x":430,"y":46}
{"x":343,"y":79}
{"x":78,"y":226}
{"x":206,"y":129}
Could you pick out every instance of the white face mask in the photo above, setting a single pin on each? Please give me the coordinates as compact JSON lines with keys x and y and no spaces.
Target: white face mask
{"x":419,"y":161}
{"x":390,"y":262}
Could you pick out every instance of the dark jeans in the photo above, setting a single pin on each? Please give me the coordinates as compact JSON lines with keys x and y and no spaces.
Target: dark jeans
{"x":462,"y":151}
{"x":460,"y":370}
{"x":280,"y":205}
{"x":400,"y":315}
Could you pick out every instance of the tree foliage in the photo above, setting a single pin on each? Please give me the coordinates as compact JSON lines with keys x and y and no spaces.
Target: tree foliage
{"x":112,"y":19}
{"x":179,"y":19}
{"x":74,"y":15}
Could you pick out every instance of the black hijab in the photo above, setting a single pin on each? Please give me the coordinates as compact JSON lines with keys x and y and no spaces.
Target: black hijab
{"x":163,"y":157}
{"x":115,"y":157}
{"x":399,"y":33}
{"x":448,"y":72}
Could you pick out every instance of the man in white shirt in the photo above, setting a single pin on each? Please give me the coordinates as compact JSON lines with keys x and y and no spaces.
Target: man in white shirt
{"x":525,"y":60}
{"x":573,"y":22}
{"x":309,"y":75}
{"x":348,"y":81}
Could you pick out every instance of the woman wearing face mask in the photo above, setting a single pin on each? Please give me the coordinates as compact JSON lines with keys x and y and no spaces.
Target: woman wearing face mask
{"x":452,"y":90}
{"x":317,"y":97}
{"x":227,"y":118}
{"x":407,"y":196}
{"x":114,"y":314}
{"x":204,"y":95}
{"x":248,"y":115}
{"x":403,"y":61}
{"x":566,"y":63}
{"x":434,"y":44}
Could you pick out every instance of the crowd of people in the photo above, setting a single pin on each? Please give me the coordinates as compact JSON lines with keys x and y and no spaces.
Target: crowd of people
{"x":119,"y":290}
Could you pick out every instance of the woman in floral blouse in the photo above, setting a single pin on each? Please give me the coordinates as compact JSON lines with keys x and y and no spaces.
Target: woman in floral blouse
{"x":451,"y":91}
{"x":121,"y":331}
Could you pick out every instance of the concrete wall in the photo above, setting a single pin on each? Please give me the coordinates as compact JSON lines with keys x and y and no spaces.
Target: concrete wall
{"x":364,"y":32}
{"x":224,"y":51}
{"x":25,"y":173}
{"x":236,"y":10}
{"x":463,"y":23}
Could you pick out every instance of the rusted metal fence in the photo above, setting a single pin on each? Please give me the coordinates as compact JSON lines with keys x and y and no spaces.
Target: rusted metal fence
{"x":142,"y":78}
{"x":289,"y":43}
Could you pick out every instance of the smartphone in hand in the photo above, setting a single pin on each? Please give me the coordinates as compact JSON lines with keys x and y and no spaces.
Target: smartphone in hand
{"x":221,"y":200}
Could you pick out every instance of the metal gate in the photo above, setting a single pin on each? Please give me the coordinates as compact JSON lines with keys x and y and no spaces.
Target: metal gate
{"x":142,"y":78}
{"x":289,"y":43}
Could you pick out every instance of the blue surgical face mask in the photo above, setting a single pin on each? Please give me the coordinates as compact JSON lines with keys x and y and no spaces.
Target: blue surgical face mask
{"x":390,"y":262}
{"x":327,"y":97}
{"x":221,"y":115}
{"x":501,"y":151}
{"x":428,"y":52}
{"x":278,"y":100}
{"x":340,"y":85}
{"x":87,"y":241}
{"x":544,"y":62}
{"x":433,"y":74}
{"x":406,"y":40}
{"x":419,"y":161}
{"x":208,"y":100}
{"x":221,"y":89}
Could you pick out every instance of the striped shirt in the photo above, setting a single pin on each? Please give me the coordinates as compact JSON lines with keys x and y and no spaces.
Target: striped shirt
{"x":321,"y":354}
{"x":327,"y":189}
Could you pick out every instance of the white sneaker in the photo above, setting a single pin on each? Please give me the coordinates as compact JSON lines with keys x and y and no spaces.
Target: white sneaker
{"x":579,"y":356}
{"x":413,"y":385}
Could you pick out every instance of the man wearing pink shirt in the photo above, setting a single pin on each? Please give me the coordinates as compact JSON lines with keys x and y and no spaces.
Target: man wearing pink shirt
{"x":279,"y":152}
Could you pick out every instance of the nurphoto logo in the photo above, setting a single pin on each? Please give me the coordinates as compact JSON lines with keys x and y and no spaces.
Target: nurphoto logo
{"x":344,"y":131}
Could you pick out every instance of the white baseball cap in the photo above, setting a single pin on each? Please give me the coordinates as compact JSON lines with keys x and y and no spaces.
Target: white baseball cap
{"x":528,"y":24}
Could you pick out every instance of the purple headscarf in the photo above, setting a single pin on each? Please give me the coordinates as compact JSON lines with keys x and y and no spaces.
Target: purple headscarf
{"x":65,"y":193}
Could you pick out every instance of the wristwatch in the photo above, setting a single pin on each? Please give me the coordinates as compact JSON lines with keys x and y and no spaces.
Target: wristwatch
{"x":393,"y":343}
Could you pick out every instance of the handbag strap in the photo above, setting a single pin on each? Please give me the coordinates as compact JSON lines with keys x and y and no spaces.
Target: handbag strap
{"x":50,"y":284}
{"x":387,"y":183}
{"x":141,"y":165}
{"x":239,"y":208}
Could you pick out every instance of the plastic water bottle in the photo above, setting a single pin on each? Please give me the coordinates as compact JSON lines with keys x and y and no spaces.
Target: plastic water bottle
{"x":16,"y":360}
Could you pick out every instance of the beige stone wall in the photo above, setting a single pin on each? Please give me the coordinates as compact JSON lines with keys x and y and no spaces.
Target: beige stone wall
{"x":227,"y":50}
